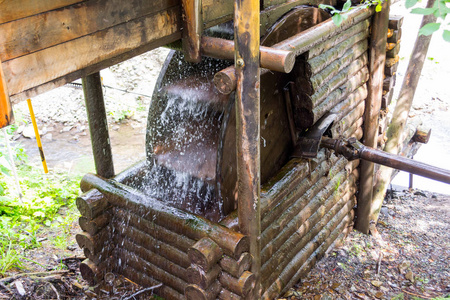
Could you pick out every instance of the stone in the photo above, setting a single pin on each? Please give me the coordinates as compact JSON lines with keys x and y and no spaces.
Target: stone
{"x":404,"y":266}
{"x":376,"y":283}
{"x":410,"y":276}
{"x":48,"y":137}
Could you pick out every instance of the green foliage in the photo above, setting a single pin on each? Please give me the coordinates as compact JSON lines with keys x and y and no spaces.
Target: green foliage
{"x":338,"y":16}
{"x":23,"y":220}
{"x":440,"y":10}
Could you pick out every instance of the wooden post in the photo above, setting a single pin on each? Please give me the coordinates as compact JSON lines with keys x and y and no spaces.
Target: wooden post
{"x":401,"y":111}
{"x":192,"y":29}
{"x":6,"y":114}
{"x":98,"y":125}
{"x":247,"y":40}
{"x":377,"y":53}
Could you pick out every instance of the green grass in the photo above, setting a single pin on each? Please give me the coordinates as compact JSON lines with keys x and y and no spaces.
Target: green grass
{"x":45,"y":198}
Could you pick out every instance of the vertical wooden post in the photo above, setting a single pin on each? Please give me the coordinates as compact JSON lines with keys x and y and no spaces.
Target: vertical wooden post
{"x":98,"y":125}
{"x":192,"y":29}
{"x":6,"y":114}
{"x":247,"y":39}
{"x":377,"y":53}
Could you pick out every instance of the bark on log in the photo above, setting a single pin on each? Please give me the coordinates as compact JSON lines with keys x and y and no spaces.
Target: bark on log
{"x":92,"y":203}
{"x":282,"y":255}
{"x":152,"y":257}
{"x":340,"y":127}
{"x":197,"y":275}
{"x":94,"y":226}
{"x":241,"y":286}
{"x":160,"y":233}
{"x":422,"y":134}
{"x":335,"y":226}
{"x":91,"y":272}
{"x":337,"y":39}
{"x":128,"y":259}
{"x":94,"y":243}
{"x":353,"y":100}
{"x":205,"y":253}
{"x":142,"y":239}
{"x":319,"y":252}
{"x":194,"y":292}
{"x":236,"y":267}
{"x":286,"y":224}
{"x":227,"y":295}
{"x":401,"y":112}
{"x":101,"y":256}
{"x":141,"y":278}
{"x":352,"y":129}
{"x":290,"y":176}
{"x":231,"y":221}
{"x":184,"y":223}
{"x":308,"y":183}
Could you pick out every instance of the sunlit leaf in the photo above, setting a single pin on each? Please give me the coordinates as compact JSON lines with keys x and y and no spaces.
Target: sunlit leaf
{"x":378,"y":8}
{"x":347,"y":5}
{"x":337,"y":19}
{"x":423,"y":11}
{"x":429,"y":28}
{"x":446,"y":35}
{"x":410,"y":3}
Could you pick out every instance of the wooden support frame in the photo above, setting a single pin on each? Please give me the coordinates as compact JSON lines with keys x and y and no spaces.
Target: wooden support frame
{"x":192,"y":29}
{"x":247,"y":41}
{"x":98,"y":125}
{"x":6,"y":114}
{"x":377,"y":53}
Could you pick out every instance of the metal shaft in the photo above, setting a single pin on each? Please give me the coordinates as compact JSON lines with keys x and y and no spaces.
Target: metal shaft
{"x":405,"y":164}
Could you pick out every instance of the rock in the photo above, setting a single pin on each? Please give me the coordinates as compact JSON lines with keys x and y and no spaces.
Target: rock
{"x":376,"y":283}
{"x":66,"y":128}
{"x":115,"y":128}
{"x":48,"y":137}
{"x":384,"y":210}
{"x":404,"y":266}
{"x":410,"y":276}
{"x":28,"y":132}
{"x":420,"y":193}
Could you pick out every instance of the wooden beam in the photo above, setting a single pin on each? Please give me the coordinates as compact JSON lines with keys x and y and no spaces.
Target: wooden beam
{"x":13,"y":9}
{"x":6,"y":114}
{"x":192,"y":29}
{"x":377,"y":53}
{"x":248,"y":131}
{"x":54,"y":27}
{"x":98,"y":125}
{"x":52,"y":67}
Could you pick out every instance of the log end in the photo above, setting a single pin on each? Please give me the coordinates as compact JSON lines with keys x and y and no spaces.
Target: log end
{"x":225,"y":81}
{"x":90,"y":272}
{"x":247,"y":282}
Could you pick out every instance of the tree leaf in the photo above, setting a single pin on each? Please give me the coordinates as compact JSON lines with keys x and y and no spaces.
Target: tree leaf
{"x":410,"y":3}
{"x":347,"y":5}
{"x":379,"y":7}
{"x":423,"y":11}
{"x":429,"y":28}
{"x":446,"y":35}
{"x":337,"y":19}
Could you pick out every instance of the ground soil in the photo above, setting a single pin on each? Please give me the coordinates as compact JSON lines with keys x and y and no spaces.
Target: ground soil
{"x":408,"y":259}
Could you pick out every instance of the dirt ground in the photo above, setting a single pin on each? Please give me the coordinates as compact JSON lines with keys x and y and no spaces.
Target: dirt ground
{"x":408,"y":259}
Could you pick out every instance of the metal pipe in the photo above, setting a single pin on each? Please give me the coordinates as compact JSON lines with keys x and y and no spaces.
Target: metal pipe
{"x":247,"y":41}
{"x":98,"y":125}
{"x":405,"y":164}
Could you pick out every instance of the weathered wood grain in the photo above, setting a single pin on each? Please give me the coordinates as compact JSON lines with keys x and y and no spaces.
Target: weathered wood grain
{"x":54,"y":27}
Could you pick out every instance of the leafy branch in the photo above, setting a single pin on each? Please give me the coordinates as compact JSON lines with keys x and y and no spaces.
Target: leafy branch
{"x":440,"y":10}
{"x":338,"y":15}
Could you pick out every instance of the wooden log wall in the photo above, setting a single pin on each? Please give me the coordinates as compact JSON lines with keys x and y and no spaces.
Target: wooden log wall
{"x":390,"y":70}
{"x":193,"y":257}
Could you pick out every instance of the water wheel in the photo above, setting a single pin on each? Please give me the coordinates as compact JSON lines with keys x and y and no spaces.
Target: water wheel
{"x":191,"y":132}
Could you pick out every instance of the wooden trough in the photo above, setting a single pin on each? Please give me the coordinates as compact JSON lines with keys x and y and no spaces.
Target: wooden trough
{"x":278,"y":222}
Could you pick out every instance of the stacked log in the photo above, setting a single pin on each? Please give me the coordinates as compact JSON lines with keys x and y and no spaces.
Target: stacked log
{"x":390,"y":69}
{"x":152,"y":243}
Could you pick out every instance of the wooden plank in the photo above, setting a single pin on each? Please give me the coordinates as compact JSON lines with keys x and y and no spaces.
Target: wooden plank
{"x":6,"y":115}
{"x":31,"y":71}
{"x":217,"y":11}
{"x":41,"y":31}
{"x":192,"y":29}
{"x":14,"y":9}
